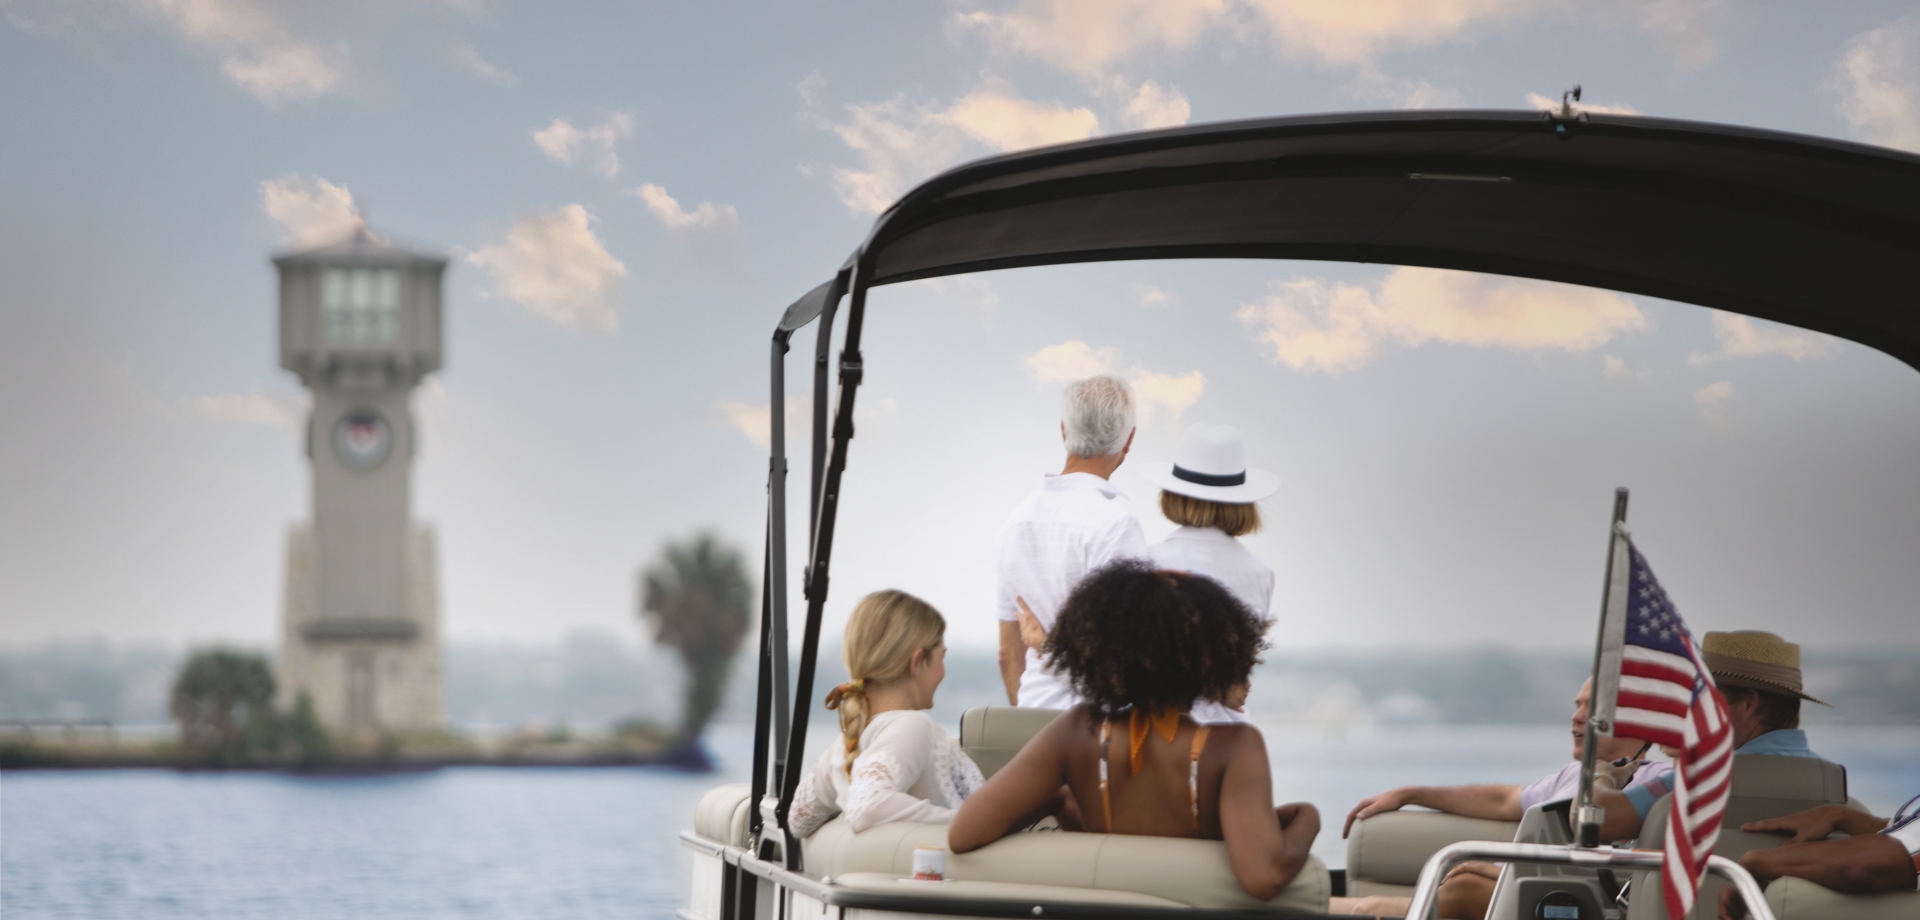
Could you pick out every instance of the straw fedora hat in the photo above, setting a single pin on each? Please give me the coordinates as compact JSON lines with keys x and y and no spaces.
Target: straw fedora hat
{"x":1755,"y":660}
{"x":1211,"y":464}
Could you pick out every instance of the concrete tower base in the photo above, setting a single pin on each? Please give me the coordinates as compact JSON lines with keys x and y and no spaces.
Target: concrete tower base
{"x":364,"y":676}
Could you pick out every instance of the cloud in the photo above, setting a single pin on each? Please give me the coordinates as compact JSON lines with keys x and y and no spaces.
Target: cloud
{"x":1314,"y":325}
{"x":1076,"y":360}
{"x":1072,"y":360}
{"x":310,"y":210}
{"x":1687,"y":30}
{"x":563,"y":142}
{"x":1552,"y":103}
{"x":971,"y":293}
{"x":1155,"y":106}
{"x":709,"y":230}
{"x":1153,"y":298}
{"x":1739,"y":337}
{"x":755,"y":420}
{"x":1337,"y":32}
{"x":1876,"y":80}
{"x":1712,"y":400}
{"x":257,"y":47}
{"x":901,"y":142}
{"x":556,"y":268}
{"x":274,"y":410}
{"x":1084,"y":36}
{"x":1167,"y":391}
{"x":468,"y":58}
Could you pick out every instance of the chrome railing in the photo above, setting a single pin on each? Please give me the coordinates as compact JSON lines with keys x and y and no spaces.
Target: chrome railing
{"x":1426,"y":892}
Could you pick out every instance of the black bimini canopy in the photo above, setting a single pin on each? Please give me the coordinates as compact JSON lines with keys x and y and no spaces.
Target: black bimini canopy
{"x":1817,"y":233}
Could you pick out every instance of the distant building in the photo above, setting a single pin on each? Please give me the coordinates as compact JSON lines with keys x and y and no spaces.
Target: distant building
{"x":360,"y":323}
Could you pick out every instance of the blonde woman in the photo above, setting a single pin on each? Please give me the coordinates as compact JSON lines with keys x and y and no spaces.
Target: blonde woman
{"x":893,"y":762}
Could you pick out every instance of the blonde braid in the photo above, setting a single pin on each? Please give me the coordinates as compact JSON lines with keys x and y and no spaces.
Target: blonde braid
{"x":886,"y":628}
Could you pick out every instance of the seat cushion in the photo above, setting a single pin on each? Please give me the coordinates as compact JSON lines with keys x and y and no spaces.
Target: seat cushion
{"x":888,"y":883}
{"x":1799,"y":899}
{"x":1391,"y":847}
{"x":1190,"y":872}
{"x":722,"y":814}
{"x":991,"y":735}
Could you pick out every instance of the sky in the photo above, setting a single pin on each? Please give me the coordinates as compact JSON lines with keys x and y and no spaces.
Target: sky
{"x":631,"y":193}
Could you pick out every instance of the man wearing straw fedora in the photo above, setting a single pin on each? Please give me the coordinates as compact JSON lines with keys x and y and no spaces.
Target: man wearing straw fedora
{"x":1759,"y":674}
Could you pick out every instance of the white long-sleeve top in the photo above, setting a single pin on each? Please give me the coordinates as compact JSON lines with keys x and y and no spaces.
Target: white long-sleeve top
{"x":908,"y":769}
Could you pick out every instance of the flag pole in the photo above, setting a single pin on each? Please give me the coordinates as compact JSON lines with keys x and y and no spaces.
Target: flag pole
{"x":1606,"y":681}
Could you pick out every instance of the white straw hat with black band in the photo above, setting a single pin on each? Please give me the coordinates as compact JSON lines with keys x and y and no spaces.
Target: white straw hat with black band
{"x":1211,"y":464}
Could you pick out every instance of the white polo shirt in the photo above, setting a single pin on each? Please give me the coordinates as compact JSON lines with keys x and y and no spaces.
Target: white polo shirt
{"x":1210,"y":552}
{"x":1069,"y":527}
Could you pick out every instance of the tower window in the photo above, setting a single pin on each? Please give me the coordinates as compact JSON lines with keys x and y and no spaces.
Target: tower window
{"x":362,"y":305}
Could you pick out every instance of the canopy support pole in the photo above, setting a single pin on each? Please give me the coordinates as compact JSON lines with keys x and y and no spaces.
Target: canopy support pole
{"x":1587,"y":816}
{"x":852,"y":370}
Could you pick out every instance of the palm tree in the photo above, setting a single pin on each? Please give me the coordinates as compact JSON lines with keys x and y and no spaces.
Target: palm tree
{"x":699,"y":599}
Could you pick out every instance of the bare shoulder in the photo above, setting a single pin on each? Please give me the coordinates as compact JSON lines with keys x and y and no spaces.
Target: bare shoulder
{"x":1237,"y":739}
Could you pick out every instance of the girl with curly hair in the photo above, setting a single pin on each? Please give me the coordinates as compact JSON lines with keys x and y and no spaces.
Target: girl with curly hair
{"x":1139,"y":646}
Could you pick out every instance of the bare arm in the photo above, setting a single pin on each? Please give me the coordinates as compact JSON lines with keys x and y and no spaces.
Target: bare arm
{"x":1019,"y":793}
{"x":1491,"y":800}
{"x":1852,"y":865}
{"x":1265,"y":857}
{"x":1818,"y":824}
{"x":1013,"y":660}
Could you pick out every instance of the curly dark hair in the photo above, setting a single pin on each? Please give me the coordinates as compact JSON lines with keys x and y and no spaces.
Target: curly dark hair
{"x":1132,"y":636}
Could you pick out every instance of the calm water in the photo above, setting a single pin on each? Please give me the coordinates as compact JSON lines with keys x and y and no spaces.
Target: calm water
{"x":588,"y":843}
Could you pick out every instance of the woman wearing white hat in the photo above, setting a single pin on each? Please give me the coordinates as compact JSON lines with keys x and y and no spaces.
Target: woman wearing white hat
{"x":1209,"y":491}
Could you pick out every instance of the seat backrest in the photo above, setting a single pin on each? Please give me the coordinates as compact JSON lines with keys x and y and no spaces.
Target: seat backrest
{"x":1763,"y":787}
{"x":991,"y":735}
{"x":722,"y":815}
{"x":1391,"y":847}
{"x":1191,"y":872}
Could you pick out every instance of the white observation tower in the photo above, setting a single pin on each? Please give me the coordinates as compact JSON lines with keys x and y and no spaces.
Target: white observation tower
{"x":360,"y":323}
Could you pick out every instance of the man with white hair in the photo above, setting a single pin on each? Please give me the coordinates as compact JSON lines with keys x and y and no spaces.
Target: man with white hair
{"x":1070,"y":526}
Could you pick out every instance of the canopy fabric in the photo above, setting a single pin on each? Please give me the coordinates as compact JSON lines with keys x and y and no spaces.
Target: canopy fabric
{"x":1813,"y":232}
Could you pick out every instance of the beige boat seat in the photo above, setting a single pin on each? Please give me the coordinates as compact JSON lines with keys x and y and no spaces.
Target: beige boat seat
{"x":1799,"y":899}
{"x":1763,"y":787}
{"x":722,"y":814}
{"x":1386,"y":851}
{"x":1082,"y":868}
{"x":991,"y":735}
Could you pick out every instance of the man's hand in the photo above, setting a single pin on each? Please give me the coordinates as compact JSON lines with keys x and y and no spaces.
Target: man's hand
{"x":1031,"y":632}
{"x":1817,"y":824}
{"x":1390,"y":800}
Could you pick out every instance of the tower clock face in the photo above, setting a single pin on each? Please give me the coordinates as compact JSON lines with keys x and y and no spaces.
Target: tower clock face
{"x":362,"y":440}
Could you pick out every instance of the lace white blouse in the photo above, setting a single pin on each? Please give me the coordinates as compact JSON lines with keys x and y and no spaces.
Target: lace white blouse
{"x":909,"y":769}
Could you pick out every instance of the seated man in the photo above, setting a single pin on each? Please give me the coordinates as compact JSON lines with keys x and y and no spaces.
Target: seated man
{"x":1759,"y":674}
{"x":1878,"y":855}
{"x":1627,"y":791}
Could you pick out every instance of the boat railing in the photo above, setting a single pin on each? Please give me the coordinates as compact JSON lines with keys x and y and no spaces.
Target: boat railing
{"x":1426,"y":892}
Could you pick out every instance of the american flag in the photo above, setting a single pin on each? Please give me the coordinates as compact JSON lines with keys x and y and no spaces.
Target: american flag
{"x":1668,"y":697}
